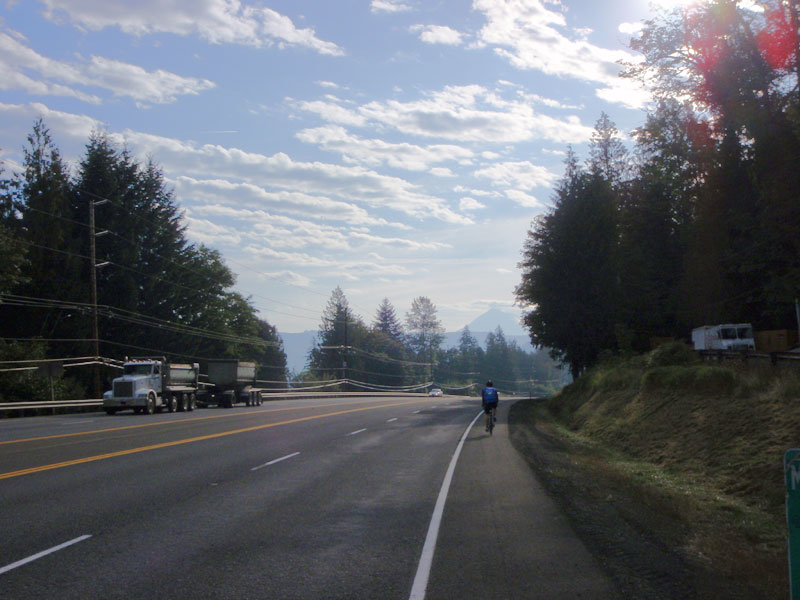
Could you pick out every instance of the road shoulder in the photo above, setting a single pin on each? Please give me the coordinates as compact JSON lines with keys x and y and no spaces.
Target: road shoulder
{"x":502,"y":536}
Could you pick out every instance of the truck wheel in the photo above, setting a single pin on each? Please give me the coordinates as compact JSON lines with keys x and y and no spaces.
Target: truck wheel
{"x":171,"y":403}
{"x":150,"y":408}
{"x":191,"y":402}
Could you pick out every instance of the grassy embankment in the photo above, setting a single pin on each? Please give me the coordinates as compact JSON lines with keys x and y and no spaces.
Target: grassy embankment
{"x":697,"y":442}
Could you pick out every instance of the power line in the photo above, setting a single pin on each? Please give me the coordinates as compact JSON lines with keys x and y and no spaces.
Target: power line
{"x":136,"y":215}
{"x":132,"y":317}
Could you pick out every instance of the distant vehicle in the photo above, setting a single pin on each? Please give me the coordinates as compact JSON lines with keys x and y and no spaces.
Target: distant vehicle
{"x":151,"y":383}
{"x":436,"y":392}
{"x":731,"y":336}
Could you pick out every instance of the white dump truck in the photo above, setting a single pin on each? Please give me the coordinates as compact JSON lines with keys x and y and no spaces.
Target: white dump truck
{"x":230,"y":381}
{"x":731,"y":336}
{"x":151,"y":383}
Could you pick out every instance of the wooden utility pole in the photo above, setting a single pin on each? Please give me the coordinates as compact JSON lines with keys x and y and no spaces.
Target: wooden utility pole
{"x":93,"y":276}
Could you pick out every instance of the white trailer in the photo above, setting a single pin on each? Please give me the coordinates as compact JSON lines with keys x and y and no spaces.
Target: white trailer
{"x":730,"y":336}
{"x":231,"y":381}
{"x":151,"y":383}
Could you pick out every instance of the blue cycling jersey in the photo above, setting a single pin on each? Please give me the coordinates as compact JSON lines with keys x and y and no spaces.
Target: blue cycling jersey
{"x":490,"y":395}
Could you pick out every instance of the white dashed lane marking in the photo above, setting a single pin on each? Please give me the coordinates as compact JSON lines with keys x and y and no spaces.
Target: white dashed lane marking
{"x":277,"y":460}
{"x":39,"y":555}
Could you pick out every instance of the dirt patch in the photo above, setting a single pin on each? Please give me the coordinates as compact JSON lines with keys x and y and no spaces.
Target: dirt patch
{"x":644,"y":541}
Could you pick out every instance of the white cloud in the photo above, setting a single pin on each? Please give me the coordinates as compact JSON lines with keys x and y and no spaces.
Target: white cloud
{"x":247,"y":195}
{"x":281,"y":171}
{"x":523,"y":175}
{"x":523,"y":199}
{"x":158,"y":87}
{"x":468,"y":113}
{"x":122,"y":79}
{"x":631,"y":28}
{"x":375,"y":152}
{"x":77,"y":127}
{"x":331,"y":111}
{"x":627,"y":92}
{"x":217,"y":21}
{"x":469,"y":204}
{"x":529,"y":35}
{"x":390,"y":6}
{"x":335,"y":267}
{"x":437,"y":34}
{"x":441,"y":172}
{"x":354,"y":183}
{"x":398,"y":242}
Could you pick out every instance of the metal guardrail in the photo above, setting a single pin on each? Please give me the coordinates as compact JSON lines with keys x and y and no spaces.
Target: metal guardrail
{"x":48,"y":404}
{"x":774,"y":358}
{"x":8,"y":406}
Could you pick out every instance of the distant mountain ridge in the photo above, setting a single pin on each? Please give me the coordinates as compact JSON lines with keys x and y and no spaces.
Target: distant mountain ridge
{"x":298,"y":345}
{"x":494,"y":318}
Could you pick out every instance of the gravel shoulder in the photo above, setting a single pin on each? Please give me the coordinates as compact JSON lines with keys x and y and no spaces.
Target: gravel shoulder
{"x":645,"y":553}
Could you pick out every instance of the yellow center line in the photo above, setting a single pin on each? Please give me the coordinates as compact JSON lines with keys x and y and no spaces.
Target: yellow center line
{"x":160,"y":423}
{"x":211,"y":436}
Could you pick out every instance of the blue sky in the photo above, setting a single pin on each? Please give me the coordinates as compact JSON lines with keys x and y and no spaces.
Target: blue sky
{"x":395,"y":148}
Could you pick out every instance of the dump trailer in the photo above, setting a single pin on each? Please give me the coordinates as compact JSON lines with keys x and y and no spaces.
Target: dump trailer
{"x":149,"y":384}
{"x":230,"y":382}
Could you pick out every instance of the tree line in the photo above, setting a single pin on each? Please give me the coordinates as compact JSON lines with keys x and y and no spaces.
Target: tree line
{"x":157,"y":293}
{"x":392,"y":353}
{"x":698,"y":224}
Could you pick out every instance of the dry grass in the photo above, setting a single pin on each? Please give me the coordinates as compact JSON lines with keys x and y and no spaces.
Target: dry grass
{"x":701,"y":442}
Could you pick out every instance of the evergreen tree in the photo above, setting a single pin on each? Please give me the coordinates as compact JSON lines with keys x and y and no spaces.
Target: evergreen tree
{"x":386,"y":321}
{"x":386,"y":340}
{"x":425,"y":331}
{"x":568,"y":271}
{"x":13,"y":251}
{"x":332,"y":356}
{"x":609,"y":158}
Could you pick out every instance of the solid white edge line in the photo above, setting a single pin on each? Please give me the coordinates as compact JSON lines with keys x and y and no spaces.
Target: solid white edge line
{"x":426,"y":558}
{"x":39,"y":555}
{"x":392,"y":420}
{"x":357,"y":431}
{"x":277,"y":460}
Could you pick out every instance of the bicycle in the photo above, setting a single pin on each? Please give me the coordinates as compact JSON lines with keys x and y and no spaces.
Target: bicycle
{"x":490,"y":418}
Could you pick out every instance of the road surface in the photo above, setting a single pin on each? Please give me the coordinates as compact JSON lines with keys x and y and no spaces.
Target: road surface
{"x":329,"y":498}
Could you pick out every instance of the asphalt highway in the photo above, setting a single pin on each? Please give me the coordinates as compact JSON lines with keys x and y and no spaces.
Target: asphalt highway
{"x":303,"y":499}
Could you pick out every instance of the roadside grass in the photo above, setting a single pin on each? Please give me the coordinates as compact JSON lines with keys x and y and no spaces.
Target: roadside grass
{"x":692,"y":443}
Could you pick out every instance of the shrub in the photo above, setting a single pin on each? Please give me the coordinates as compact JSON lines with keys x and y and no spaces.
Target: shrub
{"x":674,"y":353}
{"x":693,"y":378}
{"x":618,"y":378}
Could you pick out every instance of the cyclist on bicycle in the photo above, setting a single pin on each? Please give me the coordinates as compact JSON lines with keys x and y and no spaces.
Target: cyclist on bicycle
{"x":490,"y":398}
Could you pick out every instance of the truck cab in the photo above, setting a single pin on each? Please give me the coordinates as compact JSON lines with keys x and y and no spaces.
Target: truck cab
{"x":139,"y":388}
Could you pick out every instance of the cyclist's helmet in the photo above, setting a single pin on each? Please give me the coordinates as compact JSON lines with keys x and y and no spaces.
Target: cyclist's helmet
{"x":489,"y":383}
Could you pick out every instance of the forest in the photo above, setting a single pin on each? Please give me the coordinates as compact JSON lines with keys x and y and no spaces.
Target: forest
{"x":698,"y":223}
{"x":96,"y":265}
{"x":390,"y":353}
